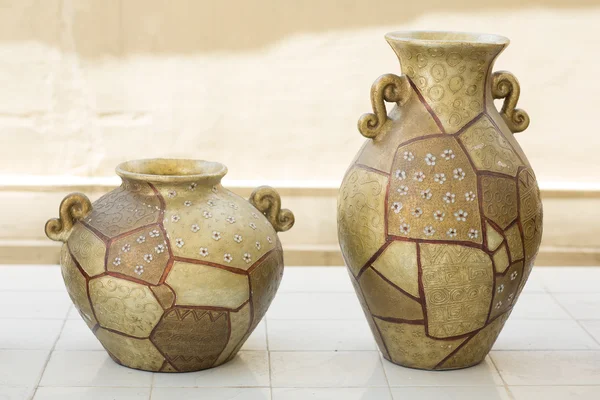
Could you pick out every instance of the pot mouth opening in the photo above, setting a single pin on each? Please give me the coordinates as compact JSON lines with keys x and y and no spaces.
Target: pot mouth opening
{"x":172,"y":170}
{"x":441,"y":37}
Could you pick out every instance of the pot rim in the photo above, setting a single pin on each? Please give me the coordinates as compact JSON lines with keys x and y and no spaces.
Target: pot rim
{"x":172,"y":170}
{"x":440,"y":37}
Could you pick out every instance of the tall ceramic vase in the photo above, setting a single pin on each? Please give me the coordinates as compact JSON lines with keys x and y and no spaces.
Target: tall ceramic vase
{"x":171,"y":271}
{"x":439,"y":215}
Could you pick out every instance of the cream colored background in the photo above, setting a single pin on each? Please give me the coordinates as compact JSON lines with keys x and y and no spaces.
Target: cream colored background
{"x":273,"y":89}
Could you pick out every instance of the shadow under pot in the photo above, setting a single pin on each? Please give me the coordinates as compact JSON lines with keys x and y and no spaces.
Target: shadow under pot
{"x":171,"y":271}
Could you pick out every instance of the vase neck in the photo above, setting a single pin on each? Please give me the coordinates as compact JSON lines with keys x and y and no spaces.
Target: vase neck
{"x":449,"y":70}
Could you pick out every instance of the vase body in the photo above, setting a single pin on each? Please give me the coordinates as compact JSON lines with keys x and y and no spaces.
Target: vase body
{"x":439,"y":215}
{"x":171,"y":271}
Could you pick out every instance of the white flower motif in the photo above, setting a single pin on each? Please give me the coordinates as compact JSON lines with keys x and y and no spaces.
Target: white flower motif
{"x":126,"y":248}
{"x":409,"y":156}
{"x":396,"y":207}
{"x":195,"y":228}
{"x":473,"y":233}
{"x":192,"y":186}
{"x":429,"y":231}
{"x":417,"y":212}
{"x":179,"y":242}
{"x":203,"y":251}
{"x":514,"y":275}
{"x":175,"y":218}
{"x":160,"y":248}
{"x":233,"y":205}
{"x":430,"y":159}
{"x":139,"y":269}
{"x":400,"y":175}
{"x":459,"y":174}
{"x":404,"y":229}
{"x":258,"y":246}
{"x":403,"y":190}
{"x":252,"y":225}
{"x":461,"y":215}
{"x":227,"y":257}
{"x":451,"y":232}
{"x":511,"y":297}
{"x":449,"y":198}
{"x":269,"y":239}
{"x":247,"y":257}
{"x":426,"y":194}
{"x":148,"y":257}
{"x":230,"y":219}
{"x":470,"y":196}
{"x":171,"y":193}
{"x":440,"y":178}
{"x":419,"y":176}
{"x":237,"y":238}
{"x":141,"y":239}
{"x":499,"y":304}
{"x":255,"y":215}
{"x":117,"y":261}
{"x":154,"y":233}
{"x":439,"y":215}
{"x":211,"y":203}
{"x":216,"y":235}
{"x":187,"y":203}
{"x":501,"y":288}
{"x":207,"y":214}
{"x":214,"y":189}
{"x":447,"y":154}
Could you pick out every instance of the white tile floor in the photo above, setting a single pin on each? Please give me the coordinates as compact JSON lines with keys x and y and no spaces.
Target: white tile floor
{"x":549,"y":349}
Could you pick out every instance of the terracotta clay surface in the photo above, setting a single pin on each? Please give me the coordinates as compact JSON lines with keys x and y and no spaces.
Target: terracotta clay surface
{"x":439,"y":215}
{"x":172,"y":271}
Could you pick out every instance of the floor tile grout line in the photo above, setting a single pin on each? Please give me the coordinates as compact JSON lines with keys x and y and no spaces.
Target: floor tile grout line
{"x":504,"y":383}
{"x":269,"y":359}
{"x":37,"y":385}
{"x":575,"y":319}
{"x":380,"y":356}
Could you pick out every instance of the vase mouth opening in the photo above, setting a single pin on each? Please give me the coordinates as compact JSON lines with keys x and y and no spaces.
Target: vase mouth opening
{"x":172,"y":170}
{"x":446,"y":37}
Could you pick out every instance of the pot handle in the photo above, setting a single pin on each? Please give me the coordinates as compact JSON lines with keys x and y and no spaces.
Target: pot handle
{"x":73,"y":208}
{"x":267,"y":201}
{"x":506,"y":86}
{"x":388,"y":87}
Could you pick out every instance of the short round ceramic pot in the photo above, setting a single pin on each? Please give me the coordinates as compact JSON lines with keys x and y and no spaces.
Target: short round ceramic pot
{"x":171,"y":271}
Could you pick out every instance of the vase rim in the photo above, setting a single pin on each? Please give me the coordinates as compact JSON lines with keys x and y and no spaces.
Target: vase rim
{"x":172,"y":170}
{"x":443,"y":37}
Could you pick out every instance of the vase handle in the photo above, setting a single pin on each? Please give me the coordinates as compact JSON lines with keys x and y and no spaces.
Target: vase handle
{"x":73,"y":208}
{"x":506,"y":86}
{"x":388,"y":87}
{"x":267,"y":201}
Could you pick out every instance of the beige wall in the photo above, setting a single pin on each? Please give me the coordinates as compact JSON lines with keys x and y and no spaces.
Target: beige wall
{"x":271,"y":88}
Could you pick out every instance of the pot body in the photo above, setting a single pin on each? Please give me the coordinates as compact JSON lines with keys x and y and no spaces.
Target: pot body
{"x":439,"y":215}
{"x":172,"y":277}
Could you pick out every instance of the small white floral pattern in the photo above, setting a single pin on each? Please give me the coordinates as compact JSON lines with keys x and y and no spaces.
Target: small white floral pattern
{"x":254,"y":215}
{"x":258,"y":246}
{"x":154,"y":233}
{"x":400,"y":175}
{"x":269,"y":239}
{"x":403,"y":190}
{"x":160,"y":248}
{"x":499,"y":304}
{"x":139,"y":269}
{"x":148,"y":258}
{"x":214,"y":189}
{"x":470,"y":196}
{"x":117,"y":261}
{"x":233,"y":205}
{"x":405,"y":229}
{"x":473,"y":233}
{"x":211,"y":203}
{"x":461,"y":215}
{"x":252,"y":225}
{"x":230,"y":219}
{"x":179,"y":242}
{"x":459,"y":174}
{"x":247,"y":257}
{"x":126,"y":248}
{"x":511,"y":297}
{"x":440,"y":178}
{"x":430,"y":159}
{"x":439,"y":215}
{"x":141,"y":239}
{"x":409,"y":156}
{"x":203,"y":251}
{"x":514,"y":275}
{"x":175,"y":218}
{"x":419,"y":176}
{"x":447,"y":154}
{"x":227,"y":258}
{"x":171,"y":193}
{"x":195,"y":228}
{"x":417,"y":212}
{"x":501,"y":288}
{"x":192,"y":186}
{"x":207,"y":214}
{"x":237,"y":238}
{"x":429,"y":231}
{"x":216,"y":235}
{"x":426,"y":194}
{"x":451,"y":232}
{"x":187,"y":203}
{"x":449,"y":198}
